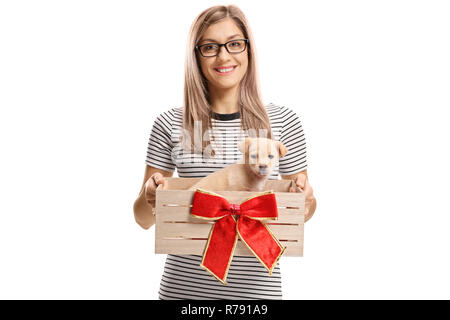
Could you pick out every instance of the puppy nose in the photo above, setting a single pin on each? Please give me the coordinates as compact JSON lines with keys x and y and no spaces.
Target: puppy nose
{"x":263,"y":166}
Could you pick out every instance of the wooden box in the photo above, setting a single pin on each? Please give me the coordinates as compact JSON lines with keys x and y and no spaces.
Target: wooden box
{"x":177,"y":232}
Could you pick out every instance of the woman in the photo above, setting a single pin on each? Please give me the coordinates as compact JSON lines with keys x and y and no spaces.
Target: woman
{"x":222,"y":104}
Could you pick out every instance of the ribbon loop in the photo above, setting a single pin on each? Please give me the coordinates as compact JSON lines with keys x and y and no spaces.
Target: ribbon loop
{"x":226,"y":230}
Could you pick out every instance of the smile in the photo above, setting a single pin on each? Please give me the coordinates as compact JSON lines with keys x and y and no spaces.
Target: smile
{"x":225,"y":71}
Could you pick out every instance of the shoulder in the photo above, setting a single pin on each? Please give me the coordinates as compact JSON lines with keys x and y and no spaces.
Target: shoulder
{"x":169,"y":118}
{"x":280,"y":113}
{"x":170,"y":115}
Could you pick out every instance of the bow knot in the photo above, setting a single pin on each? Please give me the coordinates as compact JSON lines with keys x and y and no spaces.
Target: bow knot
{"x":235,"y":209}
{"x":248,"y":226}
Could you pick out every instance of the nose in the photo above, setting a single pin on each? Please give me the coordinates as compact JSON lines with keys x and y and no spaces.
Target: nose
{"x":222,"y":49}
{"x":263,"y":166}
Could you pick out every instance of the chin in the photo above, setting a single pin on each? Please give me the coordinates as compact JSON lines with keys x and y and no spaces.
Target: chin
{"x":262,"y":175}
{"x":224,"y":86}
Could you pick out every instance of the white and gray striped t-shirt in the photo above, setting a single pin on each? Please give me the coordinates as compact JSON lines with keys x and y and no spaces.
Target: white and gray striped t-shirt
{"x":183,"y":278}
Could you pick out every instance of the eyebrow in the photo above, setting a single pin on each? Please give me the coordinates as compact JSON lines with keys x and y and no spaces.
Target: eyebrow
{"x":234,"y":35}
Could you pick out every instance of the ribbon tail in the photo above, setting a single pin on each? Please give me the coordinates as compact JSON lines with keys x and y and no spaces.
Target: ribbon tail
{"x":261,"y":242}
{"x":220,"y":248}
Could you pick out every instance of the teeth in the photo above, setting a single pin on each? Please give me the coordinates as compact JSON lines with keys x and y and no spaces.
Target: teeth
{"x":225,"y":70}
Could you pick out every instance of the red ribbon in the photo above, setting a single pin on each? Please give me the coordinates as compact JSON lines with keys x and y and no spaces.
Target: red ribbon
{"x":249,"y":227}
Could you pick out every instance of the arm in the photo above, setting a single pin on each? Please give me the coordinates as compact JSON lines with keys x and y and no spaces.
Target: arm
{"x":143,"y":207}
{"x":301,"y":179}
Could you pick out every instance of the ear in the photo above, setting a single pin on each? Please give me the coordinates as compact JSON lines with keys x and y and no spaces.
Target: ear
{"x":243,"y":145}
{"x":282,"y":150}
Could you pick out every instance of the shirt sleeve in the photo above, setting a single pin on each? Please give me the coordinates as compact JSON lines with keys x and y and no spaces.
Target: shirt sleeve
{"x":159,"y":150}
{"x":293,"y":138}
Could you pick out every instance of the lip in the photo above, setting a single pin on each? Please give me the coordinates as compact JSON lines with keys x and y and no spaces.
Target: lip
{"x":227,"y":73}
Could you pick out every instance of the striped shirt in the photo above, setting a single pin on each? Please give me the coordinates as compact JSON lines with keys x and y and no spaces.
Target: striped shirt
{"x":183,"y":278}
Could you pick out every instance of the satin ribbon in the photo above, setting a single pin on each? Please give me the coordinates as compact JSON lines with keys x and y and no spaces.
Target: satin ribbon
{"x":249,"y":227}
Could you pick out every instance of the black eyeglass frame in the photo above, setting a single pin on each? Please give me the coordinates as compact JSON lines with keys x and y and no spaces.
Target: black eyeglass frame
{"x":220,"y":46}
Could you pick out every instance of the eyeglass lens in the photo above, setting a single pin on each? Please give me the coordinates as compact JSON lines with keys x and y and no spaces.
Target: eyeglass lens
{"x":233,"y":46}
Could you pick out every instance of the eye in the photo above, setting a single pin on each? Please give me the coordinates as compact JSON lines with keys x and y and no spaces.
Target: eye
{"x":209,"y":47}
{"x":254,"y":156}
{"x":270,"y":156}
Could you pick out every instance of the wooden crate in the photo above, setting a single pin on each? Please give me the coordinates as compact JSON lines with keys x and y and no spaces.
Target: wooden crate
{"x":177,"y":232}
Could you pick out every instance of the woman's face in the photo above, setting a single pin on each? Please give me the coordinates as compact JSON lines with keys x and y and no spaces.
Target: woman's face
{"x":222,"y":32}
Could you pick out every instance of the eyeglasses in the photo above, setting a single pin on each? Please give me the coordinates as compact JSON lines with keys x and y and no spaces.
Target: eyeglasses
{"x":213,"y":49}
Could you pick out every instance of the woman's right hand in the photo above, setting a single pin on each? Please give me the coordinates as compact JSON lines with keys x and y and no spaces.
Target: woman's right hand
{"x":151,"y":185}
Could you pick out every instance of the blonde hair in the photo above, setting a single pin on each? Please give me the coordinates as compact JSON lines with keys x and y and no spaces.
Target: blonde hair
{"x":196,"y":105}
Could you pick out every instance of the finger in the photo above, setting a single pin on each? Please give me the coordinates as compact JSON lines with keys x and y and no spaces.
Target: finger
{"x":150,"y":187}
{"x":301,"y":180}
{"x":160,"y":180}
{"x":157,"y":177}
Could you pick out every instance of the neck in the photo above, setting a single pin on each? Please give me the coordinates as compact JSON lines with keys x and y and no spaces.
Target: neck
{"x":224,"y":101}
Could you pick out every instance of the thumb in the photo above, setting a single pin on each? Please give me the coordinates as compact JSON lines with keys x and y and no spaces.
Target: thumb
{"x":301,"y":180}
{"x":159,"y":179}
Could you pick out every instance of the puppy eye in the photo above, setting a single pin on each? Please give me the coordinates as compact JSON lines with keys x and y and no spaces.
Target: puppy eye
{"x":254,"y":156}
{"x":270,"y":156}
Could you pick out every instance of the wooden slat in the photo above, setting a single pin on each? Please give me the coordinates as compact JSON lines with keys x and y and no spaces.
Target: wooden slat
{"x":181,"y":183}
{"x":184,"y":214}
{"x":198,"y":246}
{"x":184,"y":197}
{"x":185,"y":183}
{"x":188,"y":230}
{"x":278,"y":185}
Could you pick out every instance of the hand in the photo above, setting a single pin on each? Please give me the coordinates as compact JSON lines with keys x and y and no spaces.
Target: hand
{"x":310,"y":201}
{"x":151,"y":185}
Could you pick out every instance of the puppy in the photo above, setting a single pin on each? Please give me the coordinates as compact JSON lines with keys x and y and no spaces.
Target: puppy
{"x":260,"y":157}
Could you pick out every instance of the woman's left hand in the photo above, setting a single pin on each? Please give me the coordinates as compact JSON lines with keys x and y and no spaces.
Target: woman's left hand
{"x":310,"y":201}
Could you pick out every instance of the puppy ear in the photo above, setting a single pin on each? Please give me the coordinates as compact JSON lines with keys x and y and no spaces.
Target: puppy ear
{"x":282,"y":150}
{"x":243,"y":145}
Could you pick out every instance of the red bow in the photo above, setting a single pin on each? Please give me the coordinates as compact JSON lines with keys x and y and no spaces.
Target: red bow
{"x":223,"y":236}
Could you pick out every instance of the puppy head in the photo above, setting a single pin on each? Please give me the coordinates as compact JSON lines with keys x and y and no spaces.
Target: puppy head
{"x":262,"y":154}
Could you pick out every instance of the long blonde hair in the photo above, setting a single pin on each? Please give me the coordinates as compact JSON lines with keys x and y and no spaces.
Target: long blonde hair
{"x":196,"y":101}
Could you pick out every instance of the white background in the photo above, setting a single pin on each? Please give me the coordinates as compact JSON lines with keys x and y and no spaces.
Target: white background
{"x":81,"y":83}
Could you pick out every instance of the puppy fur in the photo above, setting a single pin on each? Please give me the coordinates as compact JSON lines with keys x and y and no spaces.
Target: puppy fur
{"x":260,"y":157}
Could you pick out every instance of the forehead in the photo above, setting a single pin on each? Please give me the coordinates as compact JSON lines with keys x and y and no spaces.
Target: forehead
{"x":222,"y":31}
{"x":262,"y":146}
